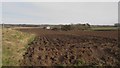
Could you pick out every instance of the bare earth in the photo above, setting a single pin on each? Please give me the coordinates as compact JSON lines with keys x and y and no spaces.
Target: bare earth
{"x":72,"y":48}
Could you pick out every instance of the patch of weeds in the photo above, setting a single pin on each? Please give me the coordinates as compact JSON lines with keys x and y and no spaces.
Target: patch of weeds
{"x":17,"y":33}
{"x":29,"y":41}
{"x":5,"y":61}
{"x":9,"y":62}
{"x":14,"y":36}
{"x":79,"y":62}
{"x":20,"y":37}
{"x":6,"y":51}
{"x":6,"y":54}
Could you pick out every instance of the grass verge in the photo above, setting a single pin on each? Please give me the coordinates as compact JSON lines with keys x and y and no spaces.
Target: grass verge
{"x":14,"y":46}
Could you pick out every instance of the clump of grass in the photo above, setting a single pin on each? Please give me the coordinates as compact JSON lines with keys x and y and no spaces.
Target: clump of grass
{"x":29,"y":41}
{"x":79,"y":62}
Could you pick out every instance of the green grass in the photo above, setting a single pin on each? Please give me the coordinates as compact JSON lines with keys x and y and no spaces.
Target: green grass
{"x":103,"y":28}
{"x":29,"y":41}
{"x":14,"y":46}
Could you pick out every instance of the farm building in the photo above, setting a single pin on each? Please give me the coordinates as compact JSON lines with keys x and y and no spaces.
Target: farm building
{"x":48,"y":27}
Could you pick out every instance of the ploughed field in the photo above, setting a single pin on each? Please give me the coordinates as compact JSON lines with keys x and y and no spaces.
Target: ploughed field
{"x":72,"y":48}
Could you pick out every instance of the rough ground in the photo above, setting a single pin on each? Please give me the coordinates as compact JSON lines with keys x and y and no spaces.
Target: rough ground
{"x":72,"y":48}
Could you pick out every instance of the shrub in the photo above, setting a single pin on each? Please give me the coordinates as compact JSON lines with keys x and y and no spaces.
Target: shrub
{"x":66,"y":27}
{"x":55,"y":28}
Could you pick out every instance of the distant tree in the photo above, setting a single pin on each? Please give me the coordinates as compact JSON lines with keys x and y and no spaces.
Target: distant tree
{"x":55,"y":28}
{"x":117,"y":24}
{"x":66,"y":27}
{"x":83,"y":24}
{"x":88,"y":24}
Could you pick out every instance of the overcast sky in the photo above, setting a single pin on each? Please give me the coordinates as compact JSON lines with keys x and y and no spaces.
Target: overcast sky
{"x":98,"y":13}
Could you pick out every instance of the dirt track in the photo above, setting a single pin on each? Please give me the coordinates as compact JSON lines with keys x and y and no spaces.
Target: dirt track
{"x":72,"y":48}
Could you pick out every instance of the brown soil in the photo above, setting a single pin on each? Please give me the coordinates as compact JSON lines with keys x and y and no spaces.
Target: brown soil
{"x":72,"y":48}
